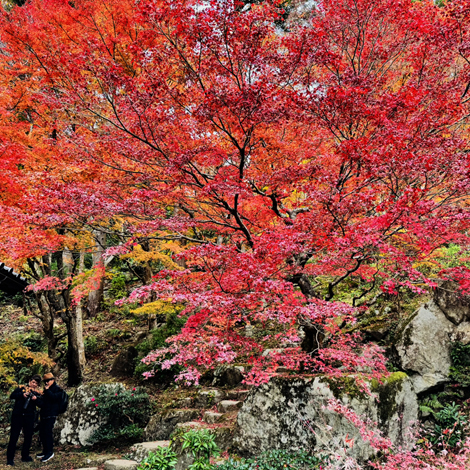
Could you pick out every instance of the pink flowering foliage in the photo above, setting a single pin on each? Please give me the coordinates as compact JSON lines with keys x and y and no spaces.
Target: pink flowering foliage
{"x":225,"y":292}
{"x":338,"y":148}
{"x":390,"y":457}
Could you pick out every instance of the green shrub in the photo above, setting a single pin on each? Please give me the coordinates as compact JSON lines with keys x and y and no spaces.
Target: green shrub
{"x":117,"y":333}
{"x":117,"y":290}
{"x":276,"y":460}
{"x":35,"y":342}
{"x":163,"y":458}
{"x":201,"y":443}
{"x":450,"y":428}
{"x":125,"y":413}
{"x":93,"y":345}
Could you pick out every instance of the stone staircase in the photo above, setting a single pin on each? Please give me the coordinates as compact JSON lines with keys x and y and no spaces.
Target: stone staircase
{"x":211,"y":409}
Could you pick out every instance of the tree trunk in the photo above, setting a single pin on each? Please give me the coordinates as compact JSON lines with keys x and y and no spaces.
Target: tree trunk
{"x":47,"y":320}
{"x":95,"y":297}
{"x":145,"y":244}
{"x":314,"y":334}
{"x":79,"y":318}
{"x":75,"y":350}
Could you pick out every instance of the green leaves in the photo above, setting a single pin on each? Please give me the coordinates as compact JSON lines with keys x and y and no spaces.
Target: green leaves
{"x":276,"y":460}
{"x":201,"y":443}
{"x":451,"y":426}
{"x":124,"y":412}
{"x":163,"y":458}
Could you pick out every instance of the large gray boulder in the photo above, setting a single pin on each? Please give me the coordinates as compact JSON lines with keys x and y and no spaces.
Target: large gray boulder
{"x":81,"y":420}
{"x":292,"y":415}
{"x":423,"y":347}
{"x":462,"y":333}
{"x":454,"y":305}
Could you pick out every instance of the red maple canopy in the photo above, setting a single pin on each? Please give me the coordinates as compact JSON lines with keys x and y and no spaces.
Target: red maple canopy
{"x":285,"y":156}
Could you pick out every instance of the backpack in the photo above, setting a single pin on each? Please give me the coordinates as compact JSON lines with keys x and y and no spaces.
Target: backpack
{"x":64,"y":402}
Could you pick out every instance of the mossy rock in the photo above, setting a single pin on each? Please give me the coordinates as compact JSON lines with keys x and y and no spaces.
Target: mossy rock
{"x":344,"y":385}
{"x":387,"y":394}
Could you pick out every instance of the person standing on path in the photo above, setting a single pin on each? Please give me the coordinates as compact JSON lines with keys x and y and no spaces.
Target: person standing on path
{"x":49,"y":404}
{"x":23,"y":415}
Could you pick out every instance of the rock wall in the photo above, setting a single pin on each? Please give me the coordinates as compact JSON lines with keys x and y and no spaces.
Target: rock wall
{"x":292,"y":415}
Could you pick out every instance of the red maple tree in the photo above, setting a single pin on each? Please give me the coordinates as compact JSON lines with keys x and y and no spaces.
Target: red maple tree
{"x":285,"y":156}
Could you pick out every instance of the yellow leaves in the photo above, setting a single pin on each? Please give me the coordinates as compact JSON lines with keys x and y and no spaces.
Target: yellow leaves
{"x":160,"y":307}
{"x":160,"y":253}
{"x":14,"y":357}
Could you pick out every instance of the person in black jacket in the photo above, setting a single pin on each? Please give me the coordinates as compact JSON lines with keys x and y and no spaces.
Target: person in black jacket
{"x":49,"y":404}
{"x":24,"y":412}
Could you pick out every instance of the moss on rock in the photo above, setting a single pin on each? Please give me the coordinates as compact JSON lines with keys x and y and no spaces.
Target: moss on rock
{"x":387,"y":394}
{"x":344,"y":385}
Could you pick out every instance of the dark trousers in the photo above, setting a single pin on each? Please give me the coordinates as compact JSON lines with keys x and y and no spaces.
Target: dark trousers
{"x":18,"y":423}
{"x":46,"y":425}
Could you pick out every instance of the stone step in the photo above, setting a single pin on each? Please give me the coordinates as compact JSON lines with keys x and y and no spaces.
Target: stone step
{"x":229,"y":405}
{"x":97,"y":460}
{"x":208,"y":398}
{"x":162,"y":425}
{"x":184,"y":402}
{"x":120,"y":464}
{"x":237,"y":394}
{"x":211,"y":417}
{"x":190,"y":425}
{"x":140,"y":451}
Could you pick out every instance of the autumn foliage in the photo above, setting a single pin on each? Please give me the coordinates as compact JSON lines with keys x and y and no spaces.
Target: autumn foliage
{"x":273,"y":154}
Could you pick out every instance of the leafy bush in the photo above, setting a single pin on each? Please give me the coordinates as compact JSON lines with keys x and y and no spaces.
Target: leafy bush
{"x":93,"y":345}
{"x":163,"y":458}
{"x":35,"y":342}
{"x":451,"y":427}
{"x":276,"y":460}
{"x":201,"y":443}
{"x":125,"y":413}
{"x":117,"y":333}
{"x":117,"y":290}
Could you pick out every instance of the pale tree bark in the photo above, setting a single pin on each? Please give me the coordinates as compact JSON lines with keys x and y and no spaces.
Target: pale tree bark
{"x":80,"y":345}
{"x":95,"y":297}
{"x":57,"y":303}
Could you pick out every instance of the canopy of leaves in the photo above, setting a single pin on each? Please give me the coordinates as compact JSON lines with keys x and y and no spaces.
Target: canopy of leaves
{"x":258,"y":158}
